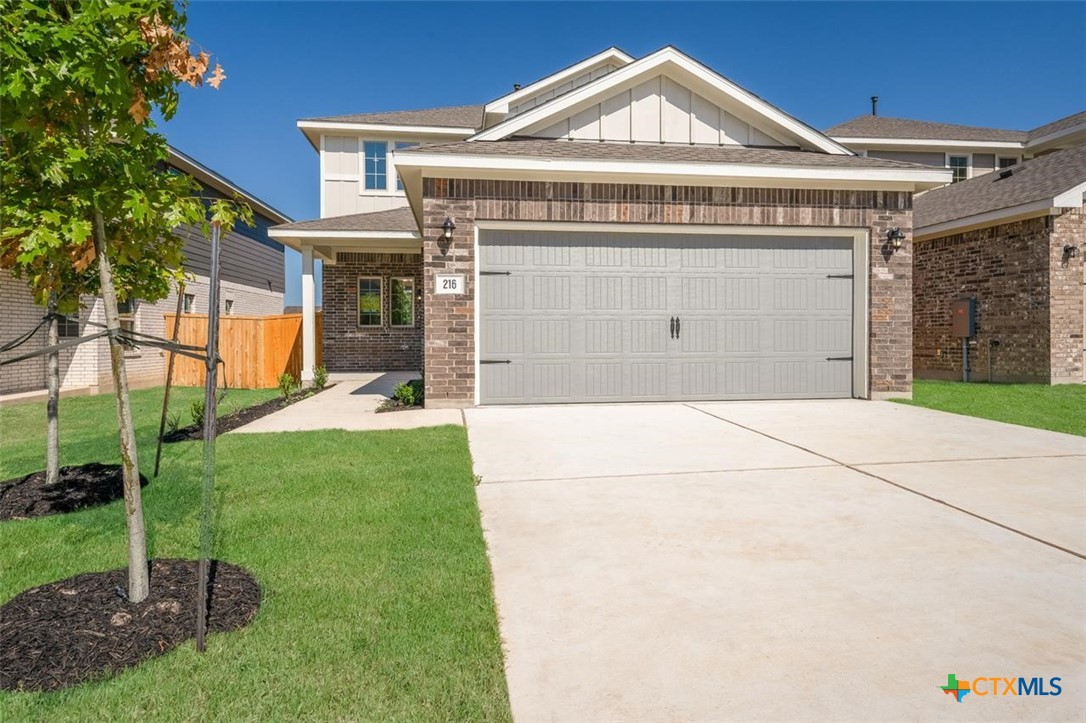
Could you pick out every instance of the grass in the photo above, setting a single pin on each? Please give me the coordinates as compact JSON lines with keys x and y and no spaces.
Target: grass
{"x":377,"y":593}
{"x":1060,"y":408}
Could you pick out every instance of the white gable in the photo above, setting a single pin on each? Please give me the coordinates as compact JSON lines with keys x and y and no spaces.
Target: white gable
{"x":665,"y":97}
{"x":659,"y":110}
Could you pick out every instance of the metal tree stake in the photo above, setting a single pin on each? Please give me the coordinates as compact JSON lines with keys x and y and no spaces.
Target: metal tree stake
{"x":169,"y":373}
{"x":210,"y":414}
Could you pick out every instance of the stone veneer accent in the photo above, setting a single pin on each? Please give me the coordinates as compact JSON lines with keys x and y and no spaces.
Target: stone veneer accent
{"x":449,"y":336}
{"x":1029,"y":299}
{"x":349,"y":347}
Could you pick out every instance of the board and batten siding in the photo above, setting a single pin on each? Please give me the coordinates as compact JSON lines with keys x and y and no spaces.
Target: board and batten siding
{"x":659,"y":110}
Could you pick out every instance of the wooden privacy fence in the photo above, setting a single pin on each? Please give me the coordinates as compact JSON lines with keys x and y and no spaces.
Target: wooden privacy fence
{"x":255,"y":349}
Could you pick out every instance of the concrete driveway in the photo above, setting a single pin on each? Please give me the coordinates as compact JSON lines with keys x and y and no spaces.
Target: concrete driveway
{"x":782,"y":561}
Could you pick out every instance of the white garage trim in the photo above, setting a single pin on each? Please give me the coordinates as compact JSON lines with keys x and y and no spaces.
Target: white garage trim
{"x":860,"y":261}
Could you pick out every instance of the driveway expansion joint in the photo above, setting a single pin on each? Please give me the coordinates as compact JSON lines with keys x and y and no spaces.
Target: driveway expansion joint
{"x":900,"y":486}
{"x":636,"y":475}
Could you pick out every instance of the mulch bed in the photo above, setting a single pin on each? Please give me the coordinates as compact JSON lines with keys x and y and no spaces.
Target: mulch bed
{"x":241,"y":417}
{"x":80,"y":486}
{"x":395,"y":405}
{"x":83,"y":628}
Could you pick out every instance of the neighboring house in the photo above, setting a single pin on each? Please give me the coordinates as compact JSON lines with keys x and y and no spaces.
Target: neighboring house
{"x":252,"y":283}
{"x":968,"y":151}
{"x":1015,"y":242}
{"x":626,"y":229}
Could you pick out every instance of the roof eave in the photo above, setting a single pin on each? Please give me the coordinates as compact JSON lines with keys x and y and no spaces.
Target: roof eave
{"x":1071,"y":198}
{"x":927,"y":142}
{"x":192,"y":167}
{"x":914,"y":179}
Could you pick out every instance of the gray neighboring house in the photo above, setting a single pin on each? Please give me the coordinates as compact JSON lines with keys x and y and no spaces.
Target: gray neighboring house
{"x":252,"y":284}
{"x":1015,"y":242}
{"x":624,"y":229}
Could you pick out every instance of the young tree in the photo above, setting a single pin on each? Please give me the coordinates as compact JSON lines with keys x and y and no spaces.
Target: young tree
{"x":79,"y":84}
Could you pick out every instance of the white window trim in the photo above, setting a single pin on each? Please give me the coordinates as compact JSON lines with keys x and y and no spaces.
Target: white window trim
{"x":389,"y":168}
{"x":410,"y":280}
{"x":381,"y":306}
{"x":968,"y":163}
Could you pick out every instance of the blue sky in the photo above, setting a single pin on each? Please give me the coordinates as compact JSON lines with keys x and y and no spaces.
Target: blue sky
{"x":1006,"y":65}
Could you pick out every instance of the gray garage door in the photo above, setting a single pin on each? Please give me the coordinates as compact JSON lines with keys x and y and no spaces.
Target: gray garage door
{"x":592,"y":317}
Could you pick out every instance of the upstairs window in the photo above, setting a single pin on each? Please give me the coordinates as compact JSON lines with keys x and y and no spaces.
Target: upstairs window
{"x":403,"y":145}
{"x":376,"y":165}
{"x":369,"y":301}
{"x":1007,"y":162}
{"x":960,"y":166}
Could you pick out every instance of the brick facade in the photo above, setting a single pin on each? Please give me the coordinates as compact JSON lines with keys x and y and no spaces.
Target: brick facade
{"x":449,"y":335}
{"x":1029,"y":299}
{"x":349,"y":347}
{"x":88,"y":365}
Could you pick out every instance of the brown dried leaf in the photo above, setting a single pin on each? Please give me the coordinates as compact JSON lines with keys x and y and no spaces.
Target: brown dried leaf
{"x":217,"y":77}
{"x":139,"y":110}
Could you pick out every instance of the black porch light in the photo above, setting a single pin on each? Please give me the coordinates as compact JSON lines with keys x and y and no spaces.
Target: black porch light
{"x":447,"y":227}
{"x":895,"y":236}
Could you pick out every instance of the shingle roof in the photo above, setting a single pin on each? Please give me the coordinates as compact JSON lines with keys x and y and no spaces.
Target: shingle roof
{"x":1040,"y":178}
{"x":1058,"y":125}
{"x":455,"y":116}
{"x":877,"y":126}
{"x":396,"y":220}
{"x":662,"y":153}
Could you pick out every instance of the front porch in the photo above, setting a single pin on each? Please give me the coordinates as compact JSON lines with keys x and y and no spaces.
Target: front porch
{"x":371,"y":291}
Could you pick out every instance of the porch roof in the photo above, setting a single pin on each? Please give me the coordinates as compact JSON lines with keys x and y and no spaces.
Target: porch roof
{"x":393,"y":230}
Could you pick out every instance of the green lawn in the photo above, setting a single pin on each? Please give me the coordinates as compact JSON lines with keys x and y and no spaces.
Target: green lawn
{"x":377,"y":593}
{"x":1061,"y":408}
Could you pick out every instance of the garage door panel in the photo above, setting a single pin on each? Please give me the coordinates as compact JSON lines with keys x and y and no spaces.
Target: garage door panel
{"x":587,"y":317}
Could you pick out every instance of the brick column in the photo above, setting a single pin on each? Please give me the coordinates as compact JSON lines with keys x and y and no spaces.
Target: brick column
{"x":449,"y":339}
{"x":891,"y":301}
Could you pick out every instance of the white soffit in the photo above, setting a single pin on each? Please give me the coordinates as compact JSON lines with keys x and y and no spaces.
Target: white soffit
{"x":682,"y":68}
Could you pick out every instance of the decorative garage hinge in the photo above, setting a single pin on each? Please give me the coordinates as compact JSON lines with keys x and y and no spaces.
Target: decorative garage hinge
{"x":838,"y":276}
{"x":838,"y":358}
{"x":495,"y":273}
{"x":495,"y":361}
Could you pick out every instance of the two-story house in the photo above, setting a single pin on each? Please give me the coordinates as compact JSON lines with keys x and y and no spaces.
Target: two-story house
{"x":623,"y":229}
{"x":252,"y":282}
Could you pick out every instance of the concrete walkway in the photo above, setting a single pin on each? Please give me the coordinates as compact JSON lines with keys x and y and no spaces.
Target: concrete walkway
{"x":781,"y":561}
{"x":350,"y":405}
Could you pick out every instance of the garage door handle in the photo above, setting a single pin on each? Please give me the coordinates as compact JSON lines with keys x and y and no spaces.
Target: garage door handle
{"x":678,"y":327}
{"x":673,"y":327}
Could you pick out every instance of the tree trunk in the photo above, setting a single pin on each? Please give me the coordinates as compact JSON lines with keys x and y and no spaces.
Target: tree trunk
{"x":138,"y":586}
{"x":52,"y":380}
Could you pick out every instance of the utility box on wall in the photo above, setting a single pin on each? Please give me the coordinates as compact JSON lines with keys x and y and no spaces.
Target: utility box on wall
{"x":963,"y":318}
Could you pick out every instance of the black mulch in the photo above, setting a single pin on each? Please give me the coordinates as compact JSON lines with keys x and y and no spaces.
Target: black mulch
{"x":84,"y":485}
{"x":241,"y":417}
{"x":83,"y":628}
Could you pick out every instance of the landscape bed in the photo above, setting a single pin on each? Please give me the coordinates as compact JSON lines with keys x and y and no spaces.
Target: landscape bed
{"x":376,"y":597}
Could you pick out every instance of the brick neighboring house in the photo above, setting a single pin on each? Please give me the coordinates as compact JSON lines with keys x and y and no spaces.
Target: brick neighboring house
{"x":625,"y":229}
{"x":1015,"y":242}
{"x":252,"y":281}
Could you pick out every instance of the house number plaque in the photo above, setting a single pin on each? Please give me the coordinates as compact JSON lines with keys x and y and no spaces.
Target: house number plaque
{"x":449,"y":284}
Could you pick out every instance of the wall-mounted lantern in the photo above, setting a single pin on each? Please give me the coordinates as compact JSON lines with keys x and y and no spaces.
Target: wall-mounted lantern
{"x":895,"y":236}
{"x":1070,"y":252}
{"x":447,"y":227}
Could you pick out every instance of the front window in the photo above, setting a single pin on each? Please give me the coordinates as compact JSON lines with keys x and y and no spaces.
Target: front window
{"x":1007,"y":162}
{"x":369,"y":302}
{"x":127,"y":311}
{"x":402,"y":145}
{"x":68,"y":326}
{"x":960,"y":166}
{"x":403,"y":302}
{"x":376,"y":165}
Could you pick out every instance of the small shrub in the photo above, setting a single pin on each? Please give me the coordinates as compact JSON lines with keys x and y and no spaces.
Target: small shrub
{"x":173,"y":422}
{"x":287,"y":384}
{"x":320,"y":377}
{"x":197,"y":411}
{"x":409,"y":393}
